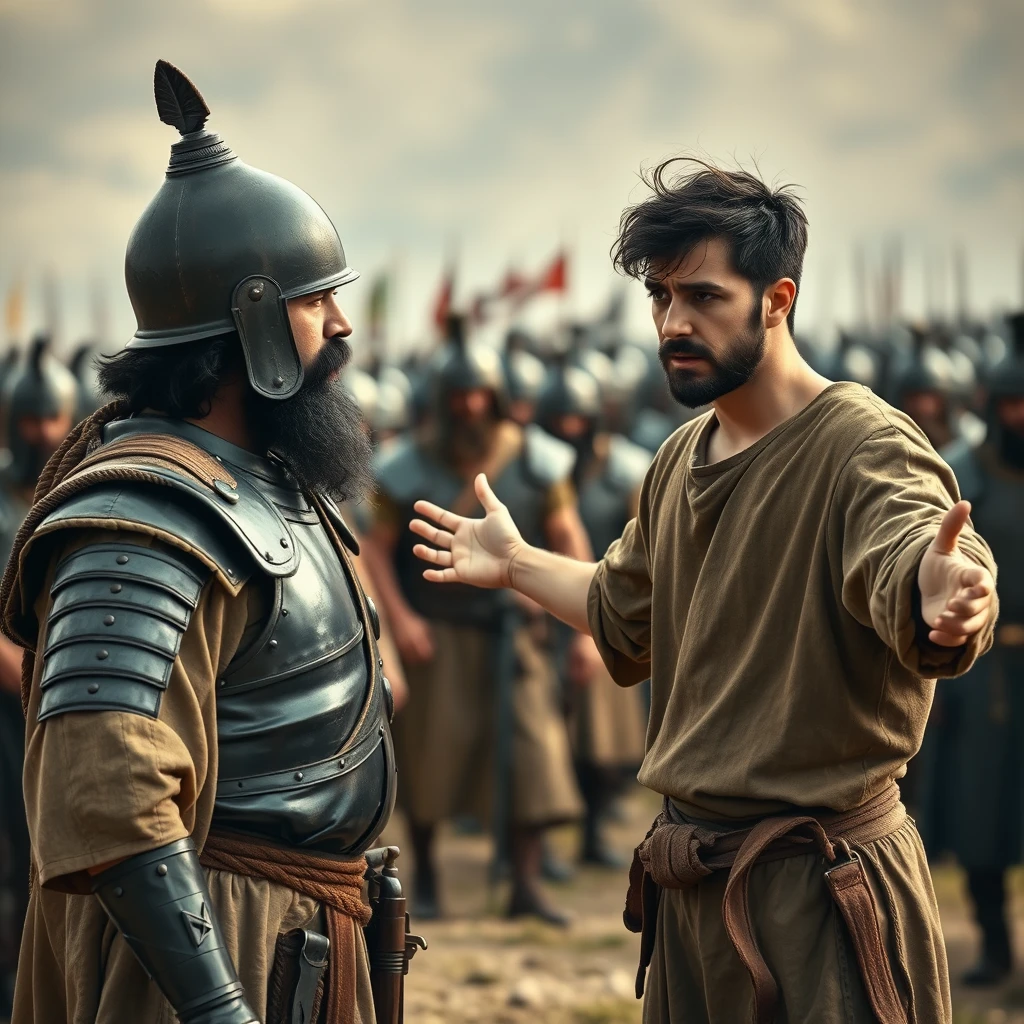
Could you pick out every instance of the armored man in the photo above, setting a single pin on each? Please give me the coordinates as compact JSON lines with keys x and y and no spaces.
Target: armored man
{"x":208,"y":749}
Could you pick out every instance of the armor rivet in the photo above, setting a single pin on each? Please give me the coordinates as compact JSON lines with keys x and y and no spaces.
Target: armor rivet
{"x":278,"y":382}
{"x":268,"y":556}
{"x":380,"y":731}
{"x":240,"y":785}
{"x":161,"y":870}
{"x":94,"y":687}
{"x":102,"y":655}
{"x":284,"y":542}
{"x":256,"y":291}
{"x":298,"y":776}
{"x":272,"y":645}
{"x":222,"y":682}
{"x":225,"y":491}
{"x":284,"y":611}
{"x":118,"y":891}
{"x":380,"y":663}
{"x":108,"y":620}
{"x":122,"y":559}
{"x":115,"y":588}
{"x":341,"y":763}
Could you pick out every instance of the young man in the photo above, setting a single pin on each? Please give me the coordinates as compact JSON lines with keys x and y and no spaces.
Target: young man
{"x":799,"y":571}
{"x":208,"y":752}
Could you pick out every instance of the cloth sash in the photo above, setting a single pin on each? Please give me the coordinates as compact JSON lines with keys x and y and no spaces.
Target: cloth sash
{"x":337,"y":884}
{"x":678,"y":854}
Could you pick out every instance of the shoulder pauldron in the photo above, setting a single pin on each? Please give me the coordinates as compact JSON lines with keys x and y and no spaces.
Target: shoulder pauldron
{"x":116,"y":619}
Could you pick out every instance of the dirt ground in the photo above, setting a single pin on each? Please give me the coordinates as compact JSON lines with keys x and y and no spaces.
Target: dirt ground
{"x":481,"y":969}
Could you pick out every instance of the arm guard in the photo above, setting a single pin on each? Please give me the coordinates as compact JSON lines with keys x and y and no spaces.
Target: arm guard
{"x":159,"y":902}
{"x":115,"y":624}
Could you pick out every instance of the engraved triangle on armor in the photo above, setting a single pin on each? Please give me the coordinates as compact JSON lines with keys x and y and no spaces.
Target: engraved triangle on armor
{"x":198,"y":925}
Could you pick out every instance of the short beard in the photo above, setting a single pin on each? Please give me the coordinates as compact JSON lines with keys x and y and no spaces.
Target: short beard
{"x":727,"y":374}
{"x":318,"y":432}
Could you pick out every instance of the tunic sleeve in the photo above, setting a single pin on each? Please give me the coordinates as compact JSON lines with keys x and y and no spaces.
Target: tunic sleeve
{"x":619,"y":608}
{"x":104,"y":785}
{"x":889,"y":502}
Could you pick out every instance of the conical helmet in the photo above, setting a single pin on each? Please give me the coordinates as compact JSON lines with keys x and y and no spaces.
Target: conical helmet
{"x":223,"y":246}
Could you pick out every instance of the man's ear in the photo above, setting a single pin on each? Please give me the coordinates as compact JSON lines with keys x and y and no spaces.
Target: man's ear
{"x":781,"y":297}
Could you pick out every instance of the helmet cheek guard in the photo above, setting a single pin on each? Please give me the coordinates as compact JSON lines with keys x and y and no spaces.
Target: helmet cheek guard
{"x":260,"y":312}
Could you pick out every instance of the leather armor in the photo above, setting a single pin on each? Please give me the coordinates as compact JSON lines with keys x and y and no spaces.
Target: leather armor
{"x":305,"y":754}
{"x":605,"y":500}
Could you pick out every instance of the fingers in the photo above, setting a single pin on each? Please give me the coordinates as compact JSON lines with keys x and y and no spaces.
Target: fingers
{"x":978,"y":580}
{"x":946,"y":639}
{"x":449,"y":520}
{"x":965,"y":607}
{"x":440,"y":538}
{"x":487,"y":497}
{"x":961,"y":625}
{"x":448,"y":575}
{"x":442,"y":558}
{"x":949,"y":530}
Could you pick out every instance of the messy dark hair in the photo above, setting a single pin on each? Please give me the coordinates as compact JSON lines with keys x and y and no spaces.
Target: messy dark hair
{"x":765,"y":227}
{"x":179,"y":380}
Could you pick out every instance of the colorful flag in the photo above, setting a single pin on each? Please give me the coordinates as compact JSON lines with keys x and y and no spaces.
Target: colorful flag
{"x":443,"y":302}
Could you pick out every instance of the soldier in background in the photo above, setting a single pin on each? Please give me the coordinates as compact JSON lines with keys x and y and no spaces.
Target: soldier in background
{"x":608,"y":721}
{"x":986,"y":749}
{"x":454,"y":641}
{"x":38,"y":409}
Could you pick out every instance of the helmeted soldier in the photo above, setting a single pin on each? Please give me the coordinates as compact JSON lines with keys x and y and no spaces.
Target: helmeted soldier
{"x":608,"y":721}
{"x":524,"y":376}
{"x":208,"y":744}
{"x":922,"y":385}
{"x":985,"y":807}
{"x":37,"y":410}
{"x":465,"y":653}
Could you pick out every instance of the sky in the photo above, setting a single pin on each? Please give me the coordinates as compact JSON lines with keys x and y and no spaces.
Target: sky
{"x":493,"y":133}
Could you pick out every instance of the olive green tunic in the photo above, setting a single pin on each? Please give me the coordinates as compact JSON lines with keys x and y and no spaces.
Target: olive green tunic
{"x":771,"y":599}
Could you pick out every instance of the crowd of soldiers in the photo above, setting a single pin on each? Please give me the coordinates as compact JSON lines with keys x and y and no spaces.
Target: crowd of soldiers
{"x":509,"y":721}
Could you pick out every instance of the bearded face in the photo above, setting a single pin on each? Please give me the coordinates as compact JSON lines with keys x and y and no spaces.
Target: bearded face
{"x":317,"y":432}
{"x":698,"y":375}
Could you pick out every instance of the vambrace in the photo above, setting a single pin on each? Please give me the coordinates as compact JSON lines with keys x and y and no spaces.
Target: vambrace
{"x":160,"y":904}
{"x":114,"y":628}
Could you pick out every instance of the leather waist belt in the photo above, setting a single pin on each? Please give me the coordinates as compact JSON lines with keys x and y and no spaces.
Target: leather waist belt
{"x":1010,"y":634}
{"x":678,"y":855}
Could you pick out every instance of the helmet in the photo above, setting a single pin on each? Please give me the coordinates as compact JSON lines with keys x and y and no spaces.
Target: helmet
{"x":1006,"y":378}
{"x":568,"y":391}
{"x":223,"y":246}
{"x":925,"y":368}
{"x":41,"y":388}
{"x":464,"y":366}
{"x":524,"y":375}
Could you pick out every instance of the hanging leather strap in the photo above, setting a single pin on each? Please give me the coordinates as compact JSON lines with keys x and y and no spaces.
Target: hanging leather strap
{"x":677,"y":856}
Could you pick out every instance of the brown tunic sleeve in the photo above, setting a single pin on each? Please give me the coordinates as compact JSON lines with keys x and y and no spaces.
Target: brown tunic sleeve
{"x":619,"y":607}
{"x":104,"y":785}
{"x":888,"y":504}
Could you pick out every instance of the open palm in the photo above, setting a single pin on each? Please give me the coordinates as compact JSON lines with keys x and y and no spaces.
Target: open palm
{"x":956,"y":592}
{"x":480,"y":552}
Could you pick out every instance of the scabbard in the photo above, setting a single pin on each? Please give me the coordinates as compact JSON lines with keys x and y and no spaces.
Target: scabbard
{"x":389,"y":943}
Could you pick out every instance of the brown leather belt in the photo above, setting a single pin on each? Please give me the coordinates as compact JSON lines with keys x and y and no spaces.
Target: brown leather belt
{"x":678,"y":855}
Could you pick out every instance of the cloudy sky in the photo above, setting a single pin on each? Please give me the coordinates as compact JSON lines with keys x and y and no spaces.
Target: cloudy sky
{"x":500,"y":129}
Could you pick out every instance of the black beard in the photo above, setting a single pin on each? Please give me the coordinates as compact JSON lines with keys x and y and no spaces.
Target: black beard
{"x":744,"y":357}
{"x":318,"y":432}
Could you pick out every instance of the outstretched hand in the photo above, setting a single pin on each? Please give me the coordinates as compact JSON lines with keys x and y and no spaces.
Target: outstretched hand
{"x":480,"y":552}
{"x":956,"y":592}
